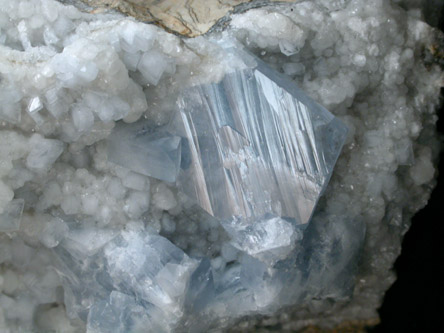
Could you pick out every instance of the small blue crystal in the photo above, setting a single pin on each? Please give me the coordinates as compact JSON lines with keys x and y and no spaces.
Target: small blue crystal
{"x":11,"y":216}
{"x":145,"y":149}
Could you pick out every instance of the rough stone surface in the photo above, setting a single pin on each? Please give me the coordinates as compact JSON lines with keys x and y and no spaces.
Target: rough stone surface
{"x":188,"y":18}
{"x":67,"y":77}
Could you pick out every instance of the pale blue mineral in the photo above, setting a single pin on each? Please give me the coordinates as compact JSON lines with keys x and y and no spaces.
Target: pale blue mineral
{"x":11,"y":216}
{"x":257,"y":144}
{"x":145,"y":149}
{"x":118,"y":313}
{"x":255,"y":153}
{"x":252,"y":145}
{"x":127,"y":281}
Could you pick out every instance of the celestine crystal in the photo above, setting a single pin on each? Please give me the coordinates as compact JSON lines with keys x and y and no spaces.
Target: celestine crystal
{"x":155,"y":183}
{"x":255,"y":153}
{"x":253,"y":144}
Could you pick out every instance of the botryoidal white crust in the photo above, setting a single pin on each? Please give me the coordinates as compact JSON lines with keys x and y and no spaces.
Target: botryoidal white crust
{"x":66,"y":77}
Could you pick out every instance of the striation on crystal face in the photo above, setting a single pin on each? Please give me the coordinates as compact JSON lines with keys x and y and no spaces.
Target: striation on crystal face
{"x":257,"y":146}
{"x":253,"y":145}
{"x":255,"y":153}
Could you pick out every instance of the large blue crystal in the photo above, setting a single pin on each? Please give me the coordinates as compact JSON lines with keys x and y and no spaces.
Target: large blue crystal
{"x":254,"y":152}
{"x":252,"y":145}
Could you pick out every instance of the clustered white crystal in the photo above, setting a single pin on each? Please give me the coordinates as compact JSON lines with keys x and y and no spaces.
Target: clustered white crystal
{"x":66,"y":77}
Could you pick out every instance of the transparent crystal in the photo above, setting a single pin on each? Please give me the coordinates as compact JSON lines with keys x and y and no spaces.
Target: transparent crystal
{"x":257,"y":145}
{"x":146,"y":150}
{"x":252,"y":145}
{"x":35,"y":105}
{"x":11,"y":216}
{"x":267,"y":239}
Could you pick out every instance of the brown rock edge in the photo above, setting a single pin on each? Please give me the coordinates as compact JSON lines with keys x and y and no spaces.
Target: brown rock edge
{"x":188,"y":18}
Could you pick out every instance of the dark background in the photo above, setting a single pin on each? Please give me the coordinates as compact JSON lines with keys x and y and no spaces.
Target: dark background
{"x":415,"y":302}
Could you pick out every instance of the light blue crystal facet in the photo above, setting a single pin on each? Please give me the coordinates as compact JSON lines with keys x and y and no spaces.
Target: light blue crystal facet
{"x":133,"y":280}
{"x":147,"y":150}
{"x":257,"y":145}
{"x":11,"y":216}
{"x":253,"y":151}
{"x":119,"y":313}
{"x":250,"y":146}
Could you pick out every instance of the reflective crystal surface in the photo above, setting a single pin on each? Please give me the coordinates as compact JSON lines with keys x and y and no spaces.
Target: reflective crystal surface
{"x":255,"y":153}
{"x":267,"y":239}
{"x":248,"y":146}
{"x":146,"y":150}
{"x":11,"y":216}
{"x":128,"y":281}
{"x":257,"y":145}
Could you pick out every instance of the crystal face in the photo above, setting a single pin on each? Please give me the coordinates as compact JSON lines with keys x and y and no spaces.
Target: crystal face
{"x":11,"y":215}
{"x":103,"y":276}
{"x":252,"y":145}
{"x":257,"y":146}
{"x":255,"y":153}
{"x":151,"y":152}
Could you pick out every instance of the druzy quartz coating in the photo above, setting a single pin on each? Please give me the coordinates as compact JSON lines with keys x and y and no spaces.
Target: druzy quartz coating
{"x":252,"y":145}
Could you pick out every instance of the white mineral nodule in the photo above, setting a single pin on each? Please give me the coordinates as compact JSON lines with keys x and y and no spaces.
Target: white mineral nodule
{"x":154,"y":183}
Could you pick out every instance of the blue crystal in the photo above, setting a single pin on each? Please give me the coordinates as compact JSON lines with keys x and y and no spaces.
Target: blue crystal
{"x":145,"y":149}
{"x":258,"y":146}
{"x":252,"y":145}
{"x":134,"y":272}
{"x":11,"y":216}
{"x":254,"y":152}
{"x":120,"y":313}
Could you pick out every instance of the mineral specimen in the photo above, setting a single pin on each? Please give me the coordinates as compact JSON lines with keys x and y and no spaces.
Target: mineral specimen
{"x":146,"y":150}
{"x":253,"y":144}
{"x":10,"y":216}
{"x":252,"y":150}
{"x":90,"y":245}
